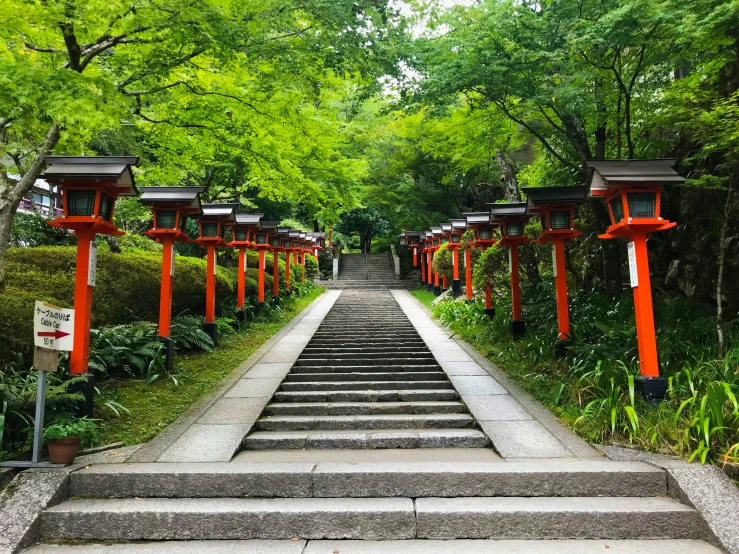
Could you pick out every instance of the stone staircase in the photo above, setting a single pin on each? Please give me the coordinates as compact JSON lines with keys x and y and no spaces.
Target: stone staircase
{"x":367,"y":448}
{"x":370,"y":272}
{"x":365,"y":380}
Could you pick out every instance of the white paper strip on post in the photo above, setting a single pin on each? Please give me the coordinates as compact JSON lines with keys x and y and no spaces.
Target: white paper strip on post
{"x":633,"y":274}
{"x":554,"y":259}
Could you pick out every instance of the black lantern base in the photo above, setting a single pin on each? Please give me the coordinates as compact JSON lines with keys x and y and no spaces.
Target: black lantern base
{"x":653,"y":389}
{"x":490,"y":312}
{"x":86,"y":388}
{"x":241,"y":316}
{"x":560,"y":349}
{"x":456,"y":287}
{"x":168,"y":350}
{"x":259,"y":307}
{"x":430,"y":287}
{"x":437,"y":290}
{"x":212,"y":330}
{"x":518,"y":328}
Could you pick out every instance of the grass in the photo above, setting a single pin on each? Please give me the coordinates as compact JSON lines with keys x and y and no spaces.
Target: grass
{"x":153,"y":407}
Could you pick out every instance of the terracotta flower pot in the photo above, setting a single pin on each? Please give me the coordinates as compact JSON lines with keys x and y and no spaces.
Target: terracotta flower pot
{"x":63,"y":451}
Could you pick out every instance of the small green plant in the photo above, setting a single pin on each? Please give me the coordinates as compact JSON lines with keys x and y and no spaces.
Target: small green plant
{"x":84,"y":429}
{"x":3,"y":409}
{"x":187,"y":333}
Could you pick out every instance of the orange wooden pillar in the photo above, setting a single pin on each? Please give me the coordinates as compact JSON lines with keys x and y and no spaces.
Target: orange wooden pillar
{"x":429,"y":269}
{"x":560,"y":286}
{"x":422,"y":255}
{"x":444,"y":283}
{"x":489,"y":307}
{"x":468,"y":272}
{"x":241,"y":285}
{"x":275,"y":277}
{"x":210,"y":285}
{"x":260,"y":278}
{"x":302,"y":280}
{"x":518,"y":325}
{"x":165,"y":293}
{"x":646,"y":336}
{"x":287,"y":271}
{"x":456,"y":286}
{"x":80,"y":355}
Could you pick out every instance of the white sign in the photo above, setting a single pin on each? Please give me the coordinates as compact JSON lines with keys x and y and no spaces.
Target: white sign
{"x":510,"y":260}
{"x":245,"y":257}
{"x":554,"y":259}
{"x":92,"y":266}
{"x":171,"y":265}
{"x":631,"y":249}
{"x":53,"y":327}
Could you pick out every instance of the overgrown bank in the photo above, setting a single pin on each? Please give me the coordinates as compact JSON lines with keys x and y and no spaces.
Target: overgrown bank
{"x":593,"y":390}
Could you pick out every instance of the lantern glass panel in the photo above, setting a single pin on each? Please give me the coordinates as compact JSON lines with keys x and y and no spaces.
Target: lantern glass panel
{"x":515,"y":228}
{"x":274,"y":241}
{"x":402,"y":241}
{"x":642,"y":204}
{"x":444,"y":240}
{"x":456,"y":239}
{"x":165,"y":219}
{"x":261,"y":238}
{"x":240,"y":235}
{"x":486,"y":233}
{"x":106,"y":206}
{"x":183,"y":222}
{"x":617,"y":207}
{"x":296,"y":243}
{"x":560,"y":219}
{"x":81,"y":202}
{"x":435,"y":242}
{"x":210,"y":229}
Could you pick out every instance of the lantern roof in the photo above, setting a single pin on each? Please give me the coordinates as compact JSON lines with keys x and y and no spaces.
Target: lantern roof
{"x":283,"y":230}
{"x":186,"y":196}
{"x":610,"y":173}
{"x":459,"y":224}
{"x":436,"y":231}
{"x":303,"y":235}
{"x":539,"y":197}
{"x":248,"y":219}
{"x":219,"y":210}
{"x":428,"y":234}
{"x":108,"y":168}
{"x":477,"y":218}
{"x":446,"y":227}
{"x":512,"y":209}
{"x":268,"y":225}
{"x":294,"y":233}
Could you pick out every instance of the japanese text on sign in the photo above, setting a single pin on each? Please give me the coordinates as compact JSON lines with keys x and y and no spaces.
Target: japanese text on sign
{"x":53,"y":327}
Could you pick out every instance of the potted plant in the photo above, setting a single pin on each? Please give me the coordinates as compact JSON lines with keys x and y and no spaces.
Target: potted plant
{"x":64,"y":438}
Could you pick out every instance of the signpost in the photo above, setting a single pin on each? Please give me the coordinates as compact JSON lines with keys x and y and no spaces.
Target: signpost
{"x":53,"y":330}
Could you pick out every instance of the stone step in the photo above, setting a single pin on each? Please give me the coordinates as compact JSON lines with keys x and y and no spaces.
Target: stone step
{"x":364,"y":408}
{"x":358,"y":376}
{"x":366,"y":369}
{"x":370,"y":518}
{"x":364,"y":422}
{"x":363,"y":353}
{"x":409,"y":546}
{"x":362,"y":361}
{"x":338,"y":342}
{"x":368,"y":385}
{"x":229,"y":518}
{"x":414,"y":479}
{"x":419,"y":395}
{"x":358,"y":440}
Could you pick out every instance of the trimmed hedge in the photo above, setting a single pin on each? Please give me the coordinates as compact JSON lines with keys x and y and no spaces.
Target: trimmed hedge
{"x":127,"y":288}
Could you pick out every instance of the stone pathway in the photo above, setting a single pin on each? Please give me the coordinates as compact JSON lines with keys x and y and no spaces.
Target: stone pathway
{"x":363,"y":428}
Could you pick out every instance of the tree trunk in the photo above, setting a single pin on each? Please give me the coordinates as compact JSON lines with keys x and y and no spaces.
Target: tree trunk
{"x":610,"y":253}
{"x":10,"y":198}
{"x":721,"y":260}
{"x":508,"y":178}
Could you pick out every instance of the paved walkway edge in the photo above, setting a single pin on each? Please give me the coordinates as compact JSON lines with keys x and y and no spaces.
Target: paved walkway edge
{"x":154,"y":449}
{"x":576,"y":446}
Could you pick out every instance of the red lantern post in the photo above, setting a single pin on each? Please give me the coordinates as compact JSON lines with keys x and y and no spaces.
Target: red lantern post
{"x":429,"y":256}
{"x":213,"y":223}
{"x":512,"y":221}
{"x":172,"y":206}
{"x":459,"y":226}
{"x":436,"y":236}
{"x":89,"y":187}
{"x":632,"y":190}
{"x":261,"y":243}
{"x":556,"y":206}
{"x":484,"y":238}
{"x":242,"y":235}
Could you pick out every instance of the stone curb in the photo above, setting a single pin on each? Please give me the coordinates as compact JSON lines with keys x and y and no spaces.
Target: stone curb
{"x":154,"y":449}
{"x":705,"y":488}
{"x":569,"y":440}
